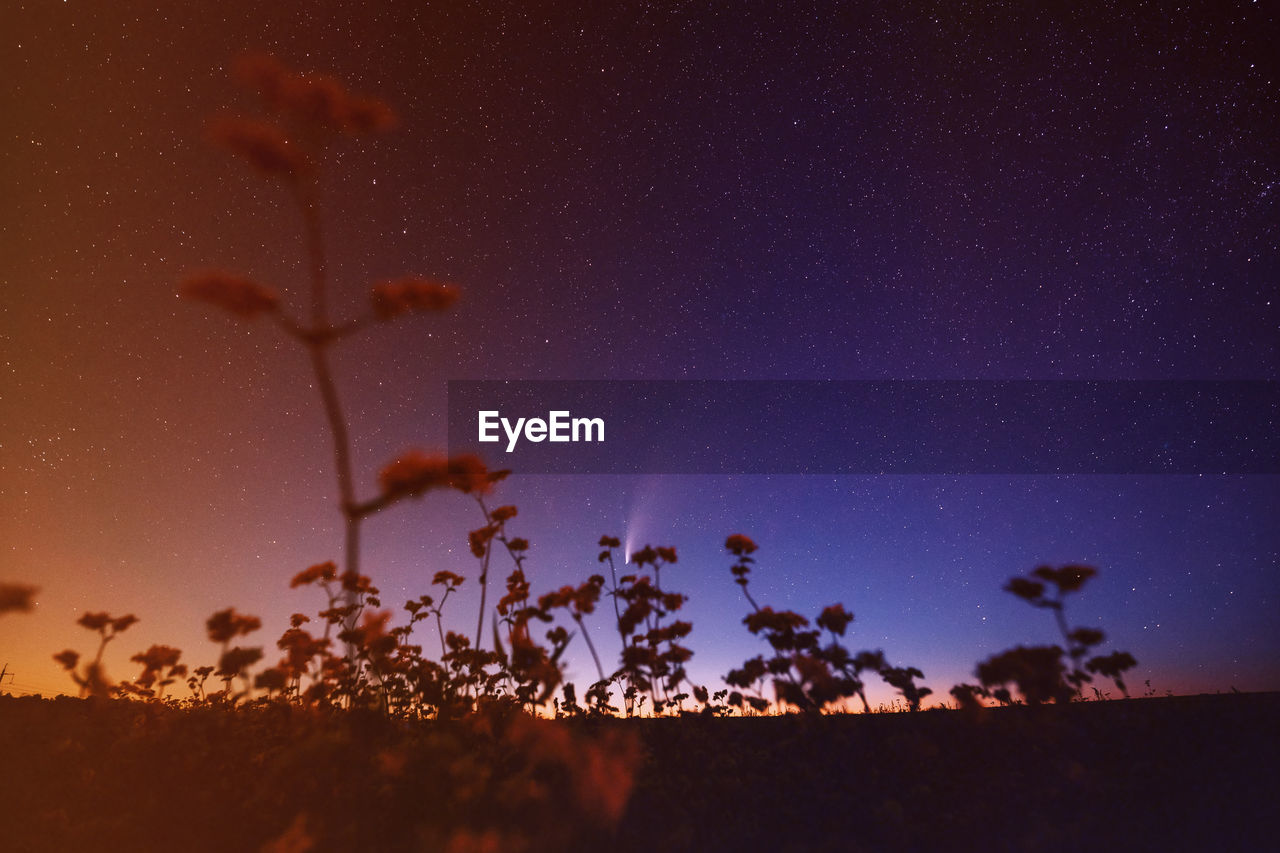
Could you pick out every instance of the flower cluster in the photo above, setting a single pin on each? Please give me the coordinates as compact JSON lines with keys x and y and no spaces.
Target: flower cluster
{"x":1047,"y":673}
{"x":230,"y":292}
{"x":805,"y":673}
{"x":92,"y":679}
{"x":16,"y":597}
{"x":315,"y":100}
{"x":415,"y":473}
{"x":410,"y":294}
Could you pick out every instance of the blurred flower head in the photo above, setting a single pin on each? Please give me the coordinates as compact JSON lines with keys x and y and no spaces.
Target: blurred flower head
{"x":322,"y":572}
{"x":835,"y":619}
{"x":234,"y":662}
{"x":227,"y":624}
{"x":410,"y":294}
{"x":1066,"y":579}
{"x":16,"y":597}
{"x":415,"y":473}
{"x":503,"y":514}
{"x":262,"y":144}
{"x":231,"y":292}
{"x":1027,"y":590}
{"x":447,"y":578}
{"x":318,"y":100}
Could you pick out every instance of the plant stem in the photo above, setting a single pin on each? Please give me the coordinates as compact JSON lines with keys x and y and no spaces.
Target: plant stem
{"x":484,"y":589}
{"x":590,"y":645}
{"x":317,"y":343}
{"x":440,"y":629}
{"x":613,"y":593}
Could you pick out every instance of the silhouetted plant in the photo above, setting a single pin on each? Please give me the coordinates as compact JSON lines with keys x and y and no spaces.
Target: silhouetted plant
{"x":578,"y":601}
{"x":804,"y":672}
{"x":160,"y":668}
{"x":92,"y":679}
{"x":306,"y":113}
{"x":196,"y":682}
{"x":1113,"y":666}
{"x":903,"y":679}
{"x":1037,"y":672}
{"x":233,"y":662}
{"x":1040,"y":673}
{"x":968,"y":696}
{"x":426,"y":605}
{"x":17,"y":597}
{"x":609,"y":543}
{"x":652,"y":664}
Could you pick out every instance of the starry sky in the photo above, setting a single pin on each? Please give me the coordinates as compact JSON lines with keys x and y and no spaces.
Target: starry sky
{"x":641,"y":191}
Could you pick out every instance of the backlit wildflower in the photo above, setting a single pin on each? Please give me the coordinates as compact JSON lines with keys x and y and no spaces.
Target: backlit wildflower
{"x":16,"y":597}
{"x":1066,"y":579}
{"x":415,"y":473}
{"x":231,"y":292}
{"x":407,"y":295}
{"x":319,"y":100}
{"x":226,"y":624}
{"x":154,"y":660}
{"x":94,"y":621}
{"x":262,"y":144}
{"x":835,"y":619}
{"x":479,"y":539}
{"x":447,"y":578}
{"x":235,"y":661}
{"x":1025,"y":589}
{"x":326,"y":571}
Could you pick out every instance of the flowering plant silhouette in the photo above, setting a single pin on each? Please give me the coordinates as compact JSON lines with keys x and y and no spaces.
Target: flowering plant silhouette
{"x":1041,"y":673}
{"x":91,"y":679}
{"x":305,"y":114}
{"x":805,"y":673}
{"x":373,"y":707}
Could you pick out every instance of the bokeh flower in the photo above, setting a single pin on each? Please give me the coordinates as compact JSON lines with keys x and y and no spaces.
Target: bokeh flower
{"x":835,"y":619}
{"x":411,"y":294}
{"x":319,"y":100}
{"x":262,"y":144}
{"x":227,"y":624}
{"x":415,"y":473}
{"x":231,"y":292}
{"x":16,"y":597}
{"x":323,"y":572}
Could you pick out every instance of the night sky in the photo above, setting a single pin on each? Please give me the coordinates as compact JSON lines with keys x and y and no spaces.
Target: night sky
{"x":641,"y":191}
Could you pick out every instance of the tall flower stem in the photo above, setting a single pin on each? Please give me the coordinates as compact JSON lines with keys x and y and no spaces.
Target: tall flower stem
{"x":590,"y":645}
{"x":318,"y":337}
{"x":484,"y":590}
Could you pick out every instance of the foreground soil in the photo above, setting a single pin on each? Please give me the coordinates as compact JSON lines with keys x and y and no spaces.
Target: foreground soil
{"x":1182,"y":773}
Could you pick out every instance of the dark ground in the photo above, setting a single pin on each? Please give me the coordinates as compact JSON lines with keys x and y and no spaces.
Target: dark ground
{"x":1182,"y":773}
